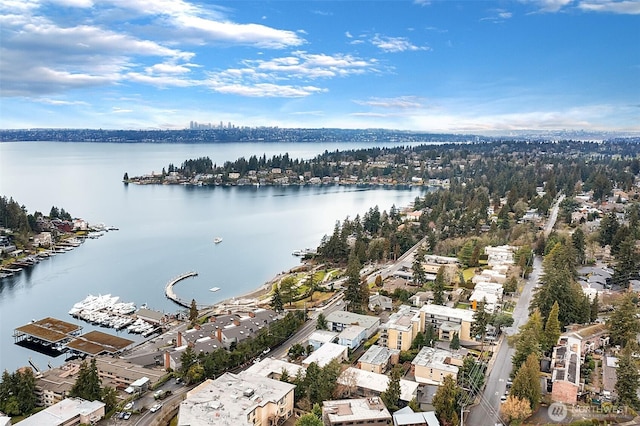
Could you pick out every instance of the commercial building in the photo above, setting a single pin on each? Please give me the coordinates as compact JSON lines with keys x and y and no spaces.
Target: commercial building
{"x":370,"y":411}
{"x":238,"y":399}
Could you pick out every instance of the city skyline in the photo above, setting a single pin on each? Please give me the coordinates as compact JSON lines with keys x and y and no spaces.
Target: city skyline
{"x":437,"y":66}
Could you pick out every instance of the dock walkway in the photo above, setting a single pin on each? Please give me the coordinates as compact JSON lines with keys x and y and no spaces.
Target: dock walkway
{"x":168,"y":289}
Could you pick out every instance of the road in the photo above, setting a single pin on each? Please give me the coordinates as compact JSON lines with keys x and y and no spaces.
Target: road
{"x":487,"y":412}
{"x":336,"y":304}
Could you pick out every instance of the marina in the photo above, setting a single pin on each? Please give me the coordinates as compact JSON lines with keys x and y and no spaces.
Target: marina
{"x":106,"y":311}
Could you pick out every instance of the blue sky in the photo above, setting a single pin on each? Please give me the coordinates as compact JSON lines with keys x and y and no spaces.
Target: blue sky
{"x":441,"y":66}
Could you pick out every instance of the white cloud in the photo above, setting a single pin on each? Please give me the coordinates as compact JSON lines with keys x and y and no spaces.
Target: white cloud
{"x":395,"y":44}
{"x":401,"y":102}
{"x":549,"y":5}
{"x":265,"y":90}
{"x":621,"y":7}
{"x":50,"y":101}
{"x":497,"y":16}
{"x":422,"y":2}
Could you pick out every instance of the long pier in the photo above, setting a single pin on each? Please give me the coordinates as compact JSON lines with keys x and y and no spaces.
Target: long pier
{"x":168,"y":289}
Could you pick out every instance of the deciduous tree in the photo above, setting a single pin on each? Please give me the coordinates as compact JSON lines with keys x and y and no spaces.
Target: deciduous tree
{"x":515,"y":409}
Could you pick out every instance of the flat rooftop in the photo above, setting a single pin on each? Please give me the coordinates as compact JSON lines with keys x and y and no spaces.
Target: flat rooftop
{"x":97,"y":342}
{"x":48,"y":329}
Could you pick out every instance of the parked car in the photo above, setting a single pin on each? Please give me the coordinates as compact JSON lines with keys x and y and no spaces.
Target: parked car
{"x":127,"y":415}
{"x":155,"y":408}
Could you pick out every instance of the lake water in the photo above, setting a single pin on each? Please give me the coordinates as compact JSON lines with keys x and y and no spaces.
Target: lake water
{"x":164,"y":231}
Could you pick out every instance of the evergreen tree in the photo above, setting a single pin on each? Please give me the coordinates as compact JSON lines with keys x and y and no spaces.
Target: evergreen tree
{"x":391,"y":395}
{"x":287,"y":289}
{"x":628,"y":379}
{"x":187,"y":360}
{"x":309,"y":419}
{"x":419,"y":274}
{"x":623,"y":324}
{"x":594,"y":309}
{"x":551,"y":329}
{"x":627,"y":261}
{"x":578,"y":241}
{"x":455,"y":342}
{"x":526,"y":384}
{"x":430,"y":336}
{"x":87,"y":384}
{"x":479,"y":325}
{"x":558,"y":285}
{"x":110,"y":398}
{"x":276,"y":300}
{"x":321,"y":322}
{"x":438,"y":287}
{"x":445,"y":402}
{"x":353,"y":292}
{"x":528,"y":340}
{"x":25,"y":390}
{"x":193,"y":311}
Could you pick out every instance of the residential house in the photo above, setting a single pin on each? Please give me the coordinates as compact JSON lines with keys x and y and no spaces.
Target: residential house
{"x":327,"y":353}
{"x":352,"y":336}
{"x":320,"y":337}
{"x":381,"y":302}
{"x":365,"y":383}
{"x":407,"y":417}
{"x":421,"y":298}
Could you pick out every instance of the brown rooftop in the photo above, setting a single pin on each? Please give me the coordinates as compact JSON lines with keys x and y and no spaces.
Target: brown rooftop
{"x":49,"y":329}
{"x":97,"y":342}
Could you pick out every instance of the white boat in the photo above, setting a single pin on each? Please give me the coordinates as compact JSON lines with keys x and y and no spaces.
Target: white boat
{"x":217,"y":240}
{"x":214,"y":289}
